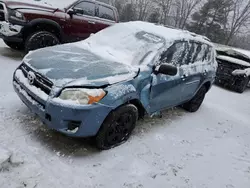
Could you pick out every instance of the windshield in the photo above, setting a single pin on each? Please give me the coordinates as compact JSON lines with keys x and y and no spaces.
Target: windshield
{"x":120,"y":43}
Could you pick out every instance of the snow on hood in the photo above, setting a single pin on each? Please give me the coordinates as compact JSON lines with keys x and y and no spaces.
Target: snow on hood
{"x":233,"y":60}
{"x":234,"y":55}
{"x":52,"y":4}
{"x":70,"y":65}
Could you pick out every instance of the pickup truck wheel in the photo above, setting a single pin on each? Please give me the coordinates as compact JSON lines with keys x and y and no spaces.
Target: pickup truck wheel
{"x":117,"y":127}
{"x":241,"y":86}
{"x":194,"y":104}
{"x":15,"y":45}
{"x":40,"y":39}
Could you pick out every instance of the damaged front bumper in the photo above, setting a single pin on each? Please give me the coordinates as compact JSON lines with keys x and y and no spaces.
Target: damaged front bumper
{"x":74,"y":121}
{"x":10,"y":32}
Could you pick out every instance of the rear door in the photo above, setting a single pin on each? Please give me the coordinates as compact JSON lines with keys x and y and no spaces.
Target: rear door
{"x":106,"y":16}
{"x":82,"y":23}
{"x":166,"y":90}
{"x":193,"y":69}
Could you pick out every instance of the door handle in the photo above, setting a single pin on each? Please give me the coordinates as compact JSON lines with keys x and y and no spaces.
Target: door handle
{"x":183,"y":77}
{"x":91,"y":22}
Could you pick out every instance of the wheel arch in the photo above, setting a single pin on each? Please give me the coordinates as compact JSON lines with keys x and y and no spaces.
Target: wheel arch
{"x":208,"y":85}
{"x":42,"y":24}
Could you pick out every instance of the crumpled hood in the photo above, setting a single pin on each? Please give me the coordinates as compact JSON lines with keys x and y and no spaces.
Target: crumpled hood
{"x":32,"y":5}
{"x":69,"y":65}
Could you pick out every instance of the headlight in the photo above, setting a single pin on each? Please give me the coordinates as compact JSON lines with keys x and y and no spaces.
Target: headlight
{"x":13,"y":14}
{"x":82,"y":96}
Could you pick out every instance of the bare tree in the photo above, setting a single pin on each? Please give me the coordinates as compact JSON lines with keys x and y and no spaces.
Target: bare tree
{"x":143,"y":8}
{"x":165,"y":6}
{"x":184,"y":8}
{"x":239,"y":18}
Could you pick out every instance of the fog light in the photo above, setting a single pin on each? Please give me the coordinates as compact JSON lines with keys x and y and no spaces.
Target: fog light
{"x":73,"y":126}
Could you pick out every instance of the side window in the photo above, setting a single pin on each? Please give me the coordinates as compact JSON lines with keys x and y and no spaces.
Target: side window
{"x":106,"y":13}
{"x":176,"y":54}
{"x":199,"y":53}
{"x":87,"y":8}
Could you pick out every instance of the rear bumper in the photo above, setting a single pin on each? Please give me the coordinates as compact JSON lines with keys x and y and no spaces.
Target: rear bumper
{"x":86,"y":120}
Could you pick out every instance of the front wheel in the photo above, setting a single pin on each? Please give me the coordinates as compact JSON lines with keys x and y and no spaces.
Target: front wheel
{"x":241,"y":86}
{"x":40,"y":39}
{"x":117,"y":127}
{"x":194,"y":104}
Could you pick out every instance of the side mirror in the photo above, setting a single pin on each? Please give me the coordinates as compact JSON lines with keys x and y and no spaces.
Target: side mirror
{"x":166,"y":69}
{"x":71,"y":12}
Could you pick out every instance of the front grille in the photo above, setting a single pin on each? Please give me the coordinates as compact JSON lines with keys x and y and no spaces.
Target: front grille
{"x":2,"y":16}
{"x":226,"y":68}
{"x":2,"y":12}
{"x":40,"y":81}
{"x":1,"y":6}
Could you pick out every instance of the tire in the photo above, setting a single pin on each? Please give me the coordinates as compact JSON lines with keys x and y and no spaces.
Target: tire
{"x":194,"y":104}
{"x":117,"y":127}
{"x":242,"y":85}
{"x":40,"y":39}
{"x":15,"y":45}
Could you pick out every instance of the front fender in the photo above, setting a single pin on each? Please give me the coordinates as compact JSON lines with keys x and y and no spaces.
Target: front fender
{"x":118,"y":95}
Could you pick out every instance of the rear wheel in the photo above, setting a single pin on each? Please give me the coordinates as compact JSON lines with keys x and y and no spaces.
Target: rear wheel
{"x":15,"y":45}
{"x":194,"y":104}
{"x":40,"y":39}
{"x":117,"y":127}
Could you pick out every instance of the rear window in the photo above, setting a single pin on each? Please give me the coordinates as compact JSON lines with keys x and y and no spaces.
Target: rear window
{"x":106,"y":13}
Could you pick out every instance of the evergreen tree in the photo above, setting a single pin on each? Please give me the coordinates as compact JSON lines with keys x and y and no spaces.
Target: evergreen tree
{"x":154,"y":17}
{"x":211,"y":20}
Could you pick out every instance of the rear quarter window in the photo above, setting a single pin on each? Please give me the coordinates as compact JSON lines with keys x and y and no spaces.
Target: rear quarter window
{"x":106,"y":13}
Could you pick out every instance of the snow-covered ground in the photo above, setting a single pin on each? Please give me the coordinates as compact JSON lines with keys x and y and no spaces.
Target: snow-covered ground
{"x":207,"y":149}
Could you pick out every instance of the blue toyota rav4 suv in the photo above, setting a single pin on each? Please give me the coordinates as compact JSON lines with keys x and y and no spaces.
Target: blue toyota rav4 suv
{"x":101,"y":86}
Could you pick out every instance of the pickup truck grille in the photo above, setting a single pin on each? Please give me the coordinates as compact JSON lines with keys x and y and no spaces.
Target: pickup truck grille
{"x":2,"y":16}
{"x":2,"y":12}
{"x":40,"y":81}
{"x":226,"y":68}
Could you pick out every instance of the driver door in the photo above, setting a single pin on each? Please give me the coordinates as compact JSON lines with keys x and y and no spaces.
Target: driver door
{"x":82,"y":23}
{"x":165,"y":89}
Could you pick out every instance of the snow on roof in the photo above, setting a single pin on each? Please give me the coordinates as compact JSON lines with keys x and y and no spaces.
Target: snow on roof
{"x":233,"y":60}
{"x":131,"y":42}
{"x":166,"y":32}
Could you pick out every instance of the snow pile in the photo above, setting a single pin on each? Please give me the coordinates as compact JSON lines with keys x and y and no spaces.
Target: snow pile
{"x":4,"y":158}
{"x":241,"y":72}
{"x":233,"y":60}
{"x":37,"y":91}
{"x":8,"y":159}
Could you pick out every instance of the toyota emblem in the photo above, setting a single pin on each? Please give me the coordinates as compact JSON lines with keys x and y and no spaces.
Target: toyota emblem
{"x":31,"y":77}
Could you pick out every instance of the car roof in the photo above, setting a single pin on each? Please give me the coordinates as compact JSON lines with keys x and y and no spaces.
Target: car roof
{"x":166,"y":32}
{"x":97,"y":2}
